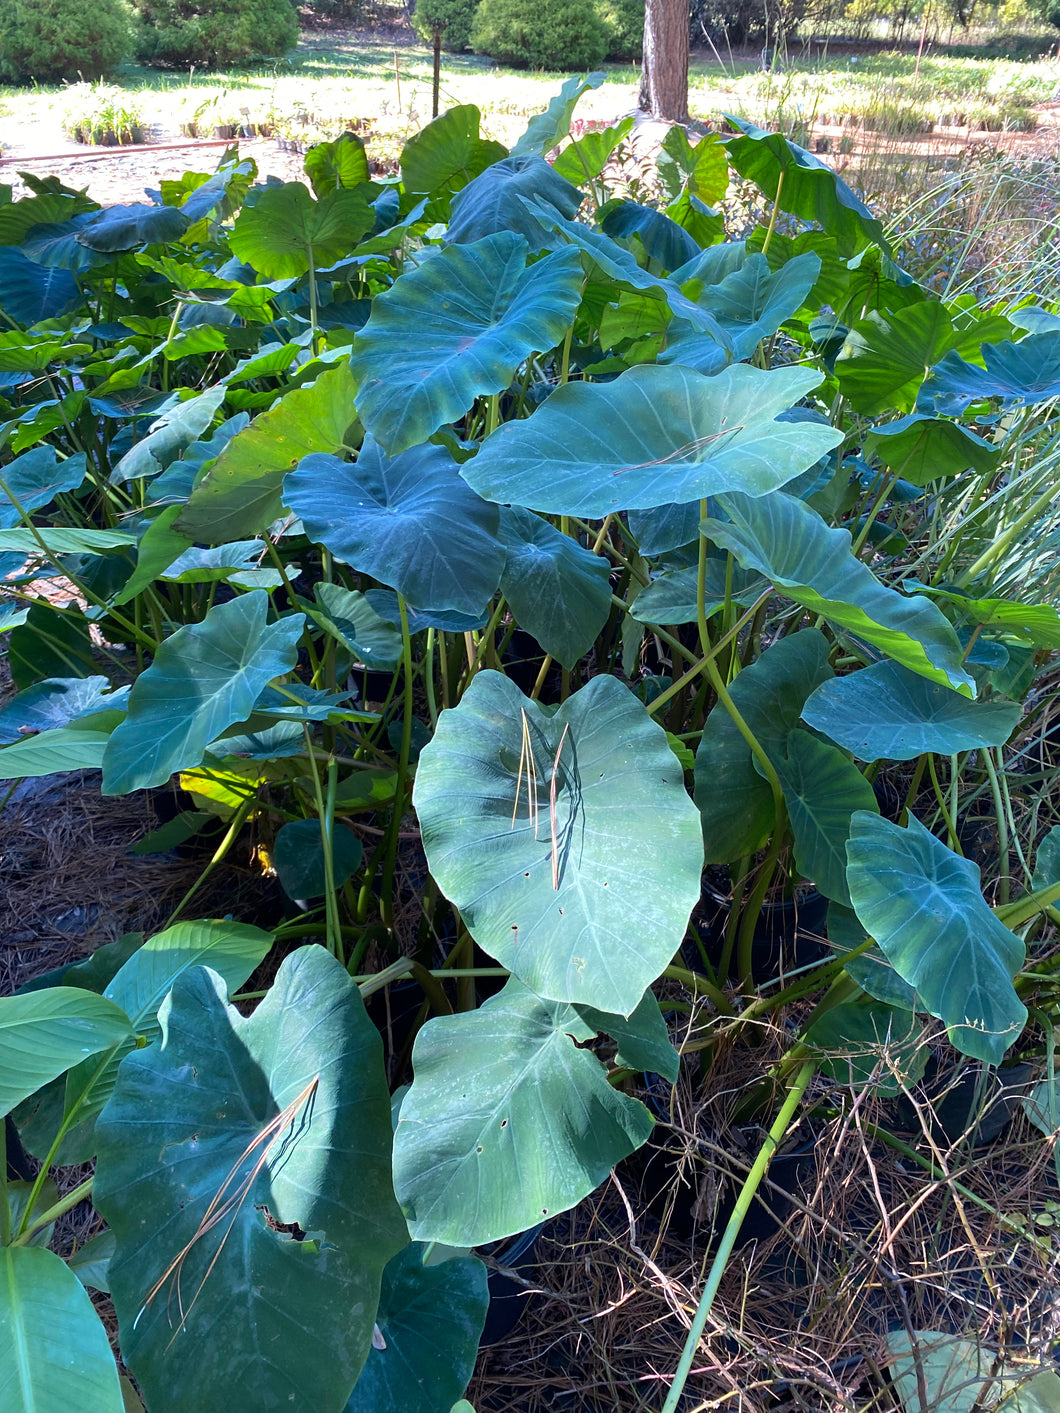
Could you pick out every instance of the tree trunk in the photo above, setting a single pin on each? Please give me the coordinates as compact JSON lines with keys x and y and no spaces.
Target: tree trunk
{"x":664,"y":78}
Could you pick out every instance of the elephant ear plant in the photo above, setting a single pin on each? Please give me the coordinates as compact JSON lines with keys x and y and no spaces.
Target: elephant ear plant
{"x":581,"y":552}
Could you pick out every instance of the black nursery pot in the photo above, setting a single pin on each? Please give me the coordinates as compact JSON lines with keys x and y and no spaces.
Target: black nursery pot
{"x":788,"y":934}
{"x":655,"y":1177}
{"x":508,"y":1298}
{"x":950,"y":1104}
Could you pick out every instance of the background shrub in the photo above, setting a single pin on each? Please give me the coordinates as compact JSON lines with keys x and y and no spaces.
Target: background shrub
{"x":454,"y":17}
{"x":214,"y":32}
{"x":540,"y":34}
{"x":624,"y":21}
{"x":50,"y":40}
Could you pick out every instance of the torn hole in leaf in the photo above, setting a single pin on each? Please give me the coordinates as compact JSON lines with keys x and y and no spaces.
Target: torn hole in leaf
{"x":291,"y":1229}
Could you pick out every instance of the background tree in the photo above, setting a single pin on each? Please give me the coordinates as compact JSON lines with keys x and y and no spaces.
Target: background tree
{"x":51,"y":40}
{"x":664,"y":78}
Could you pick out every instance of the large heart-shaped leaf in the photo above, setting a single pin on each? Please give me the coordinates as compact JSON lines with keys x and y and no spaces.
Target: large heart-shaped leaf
{"x":752,"y":303}
{"x":508,"y":1120}
{"x":349,"y":617}
{"x":242,"y":492}
{"x":56,"y":701}
{"x":54,"y":752}
{"x":430,"y":1320}
{"x":652,"y":437}
{"x":205,"y":677}
{"x":43,"y":1033}
{"x":546,"y":130}
{"x":170,"y":434}
{"x":1019,"y":373}
{"x":734,"y":798}
{"x":286,"y":231}
{"x":139,"y":986}
{"x":822,"y":789}
{"x":558,"y":591}
{"x":955,"y":1374}
{"x":30,"y":293}
{"x":282,"y":1122}
{"x":494,"y":202}
{"x":411,"y":523}
{"x":886,"y":357}
{"x":568,"y":889}
{"x":923,"y":449}
{"x":35,"y":478}
{"x":54,"y":1352}
{"x":664,"y":241}
{"x":448,"y":153}
{"x":803,"y":185}
{"x":123,"y":227}
{"x":455,"y":328}
{"x":887,"y":712}
{"x":339,"y":164}
{"x":923,"y":905}
{"x":1034,"y":623}
{"x":788,"y":542}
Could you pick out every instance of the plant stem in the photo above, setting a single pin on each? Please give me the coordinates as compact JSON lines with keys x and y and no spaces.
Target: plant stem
{"x":65,"y":1204}
{"x":387,"y":881}
{"x":743,"y":1205}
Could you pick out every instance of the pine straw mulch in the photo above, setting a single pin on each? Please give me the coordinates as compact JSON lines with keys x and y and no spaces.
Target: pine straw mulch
{"x":871,"y":1243}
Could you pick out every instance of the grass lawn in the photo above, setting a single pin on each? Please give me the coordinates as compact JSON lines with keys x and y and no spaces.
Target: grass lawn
{"x":331,"y":81}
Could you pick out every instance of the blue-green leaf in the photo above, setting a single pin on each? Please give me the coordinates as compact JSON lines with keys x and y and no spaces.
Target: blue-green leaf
{"x":652,"y":437}
{"x":923,"y":905}
{"x":887,"y":712}
{"x":411,"y":523}
{"x":456,"y":328}
{"x":204,"y":678}
{"x":558,"y":591}
{"x":788,"y":542}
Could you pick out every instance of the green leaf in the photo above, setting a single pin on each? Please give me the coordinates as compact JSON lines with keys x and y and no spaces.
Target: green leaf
{"x":455,"y":328}
{"x":1036,"y":623}
{"x":507,"y":1121}
{"x":866,"y":1044}
{"x":124,"y":227}
{"x":205,"y":677}
{"x":54,"y":1353}
{"x":286,"y":231}
{"x":546,"y":130}
{"x":923,"y":449}
{"x":642,"y":1038}
{"x":411,"y":523}
{"x":58,"y":540}
{"x":448,"y":153}
{"x":752,"y":303}
{"x":430,"y":1320}
{"x":652,"y":437}
{"x":341,"y":164}
{"x":298,"y":857}
{"x":231,"y":949}
{"x":803,"y":185}
{"x":54,"y":752}
{"x":558,"y":591}
{"x":595,"y":917}
{"x":924,"y":907}
{"x":1047,"y":860}
{"x":30,"y":293}
{"x":887,"y":712}
{"x":34,"y":479}
{"x":788,"y":542}
{"x":700,"y":169}
{"x":50,"y":644}
{"x":18,"y":1196}
{"x":242,"y":491}
{"x":584,"y":160}
{"x":1040,"y":1394}
{"x":288,"y":1121}
{"x":1019,"y":374}
{"x":734,"y":799}
{"x":672,"y":597}
{"x":886,"y":357}
{"x":170,"y":435}
{"x":91,"y":1262}
{"x":348,"y":616}
{"x":43,"y":1033}
{"x":955,"y":1372}
{"x":822,"y":789}
{"x":494,"y":201}
{"x":871,"y":970}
